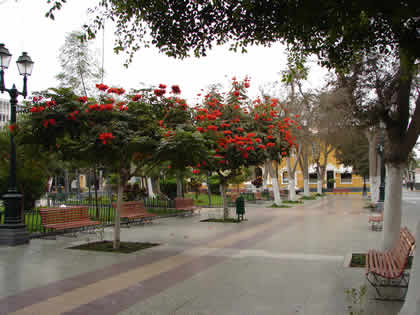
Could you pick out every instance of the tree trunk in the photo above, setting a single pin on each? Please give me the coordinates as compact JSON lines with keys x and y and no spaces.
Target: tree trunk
{"x":274,"y":182}
{"x":179,"y":182}
{"x":265,"y":177}
{"x":208,"y":188}
{"x":374,"y":179}
{"x":150,"y":188}
{"x":304,"y":166}
{"x":392,"y":208}
{"x":225,"y":205}
{"x":66,"y":181}
{"x":117,"y":224}
{"x":101,"y":180}
{"x":77,"y":184}
{"x":95,"y":180}
{"x":412,"y":301}
{"x":319,"y":186}
{"x":158,"y":185}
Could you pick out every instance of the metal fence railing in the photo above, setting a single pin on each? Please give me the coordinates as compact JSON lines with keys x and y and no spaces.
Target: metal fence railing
{"x":103,"y":211}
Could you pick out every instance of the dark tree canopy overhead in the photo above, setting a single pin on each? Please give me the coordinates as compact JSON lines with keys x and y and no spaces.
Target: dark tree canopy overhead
{"x":333,"y":29}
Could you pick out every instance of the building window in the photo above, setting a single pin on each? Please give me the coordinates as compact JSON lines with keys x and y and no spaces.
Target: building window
{"x":313,"y":178}
{"x":345,"y":178}
{"x":284,"y":178}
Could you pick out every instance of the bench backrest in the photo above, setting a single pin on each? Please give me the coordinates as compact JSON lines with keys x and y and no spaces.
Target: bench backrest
{"x":63,"y":215}
{"x":131,"y":206}
{"x":184,"y":203}
{"x":403,"y":248}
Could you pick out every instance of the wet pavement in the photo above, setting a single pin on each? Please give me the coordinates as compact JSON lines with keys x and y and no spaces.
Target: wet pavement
{"x":280,"y":261}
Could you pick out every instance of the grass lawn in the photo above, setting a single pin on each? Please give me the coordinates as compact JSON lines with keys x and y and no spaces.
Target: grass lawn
{"x":312,"y":197}
{"x":203,"y":199}
{"x":165,"y":211}
{"x":292,"y":201}
{"x":280,"y":206}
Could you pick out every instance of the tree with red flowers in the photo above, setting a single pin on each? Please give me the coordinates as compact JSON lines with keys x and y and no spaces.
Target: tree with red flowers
{"x":237,"y":139}
{"x":181,"y":146}
{"x":270,"y":120}
{"x":119,"y":130}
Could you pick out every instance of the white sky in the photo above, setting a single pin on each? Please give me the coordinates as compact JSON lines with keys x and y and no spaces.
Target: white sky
{"x":25,"y":28}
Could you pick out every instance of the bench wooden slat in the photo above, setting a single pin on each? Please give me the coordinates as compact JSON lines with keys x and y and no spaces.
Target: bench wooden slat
{"x":133,"y":210}
{"x":391,"y":264}
{"x":66,"y":217}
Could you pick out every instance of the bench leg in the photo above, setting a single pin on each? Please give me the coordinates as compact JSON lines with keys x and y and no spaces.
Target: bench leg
{"x":380,"y":283}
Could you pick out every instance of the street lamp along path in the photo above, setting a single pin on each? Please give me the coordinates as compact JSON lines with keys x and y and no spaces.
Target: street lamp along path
{"x":13,"y":231}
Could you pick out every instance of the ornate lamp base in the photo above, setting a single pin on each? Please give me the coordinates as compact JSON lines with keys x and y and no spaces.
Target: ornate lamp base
{"x":13,"y":234}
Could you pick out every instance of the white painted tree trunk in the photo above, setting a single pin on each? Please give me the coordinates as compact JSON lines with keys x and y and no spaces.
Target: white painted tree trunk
{"x":319,"y":186}
{"x":412,"y":301}
{"x":292,"y":189}
{"x":265,"y":177}
{"x":274,"y":182}
{"x":117,"y":230}
{"x":223,"y":187}
{"x":392,"y":206}
{"x":150,"y":188}
{"x":374,"y":188}
{"x":306,"y":188}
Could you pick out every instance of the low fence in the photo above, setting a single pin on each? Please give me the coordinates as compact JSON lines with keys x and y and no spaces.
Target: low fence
{"x":102,"y":210}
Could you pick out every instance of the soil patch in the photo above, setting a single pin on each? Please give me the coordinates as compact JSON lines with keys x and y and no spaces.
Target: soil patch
{"x":107,"y":246}
{"x":228,"y":220}
{"x":359,"y":260}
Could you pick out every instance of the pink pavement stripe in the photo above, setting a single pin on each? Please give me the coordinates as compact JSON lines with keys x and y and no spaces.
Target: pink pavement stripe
{"x":26,"y":298}
{"x":13,"y":303}
{"x":114,"y":303}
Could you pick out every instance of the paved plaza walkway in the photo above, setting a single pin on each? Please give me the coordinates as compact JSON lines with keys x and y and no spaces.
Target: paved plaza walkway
{"x":280,"y":261}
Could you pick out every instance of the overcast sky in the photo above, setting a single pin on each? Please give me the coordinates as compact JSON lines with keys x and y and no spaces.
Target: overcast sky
{"x":24,"y":28}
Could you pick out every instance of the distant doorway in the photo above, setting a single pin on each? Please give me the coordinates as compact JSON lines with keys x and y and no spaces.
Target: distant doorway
{"x":330,"y":180}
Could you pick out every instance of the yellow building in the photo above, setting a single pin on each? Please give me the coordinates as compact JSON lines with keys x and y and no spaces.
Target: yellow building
{"x":337,"y":177}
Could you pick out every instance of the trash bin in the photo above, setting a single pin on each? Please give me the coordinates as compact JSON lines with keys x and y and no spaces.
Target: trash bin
{"x":240,"y":207}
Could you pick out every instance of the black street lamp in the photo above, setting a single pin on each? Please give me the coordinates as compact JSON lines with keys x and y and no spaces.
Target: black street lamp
{"x":381,"y":154}
{"x":13,"y":231}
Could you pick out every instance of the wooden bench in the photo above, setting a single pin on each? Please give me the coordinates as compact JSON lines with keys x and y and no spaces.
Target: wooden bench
{"x":134,"y":211}
{"x":386,"y":269}
{"x":185,"y":204}
{"x":66,"y":218}
{"x":376,"y":221}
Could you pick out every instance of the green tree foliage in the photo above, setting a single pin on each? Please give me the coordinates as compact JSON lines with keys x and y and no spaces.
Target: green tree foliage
{"x":117,"y":131}
{"x":352,"y":149}
{"x":33,"y":169}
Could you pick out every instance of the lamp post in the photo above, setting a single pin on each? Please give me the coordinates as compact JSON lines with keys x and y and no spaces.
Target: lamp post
{"x":382,"y":185}
{"x":13,"y":231}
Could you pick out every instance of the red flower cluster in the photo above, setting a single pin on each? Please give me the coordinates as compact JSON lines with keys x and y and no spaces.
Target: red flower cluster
{"x":102,"y":87}
{"x":117,"y":91}
{"x":196,"y":171}
{"x":101,"y":107}
{"x":72,"y":116}
{"x":37,"y":109}
{"x":83,"y":99}
{"x":159,"y":92}
{"x":37,"y":99}
{"x":13,"y":127}
{"x":136,"y":97}
{"x":106,"y":137}
{"x":176,"y":89}
{"x":50,"y":103}
{"x":47,"y":122}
